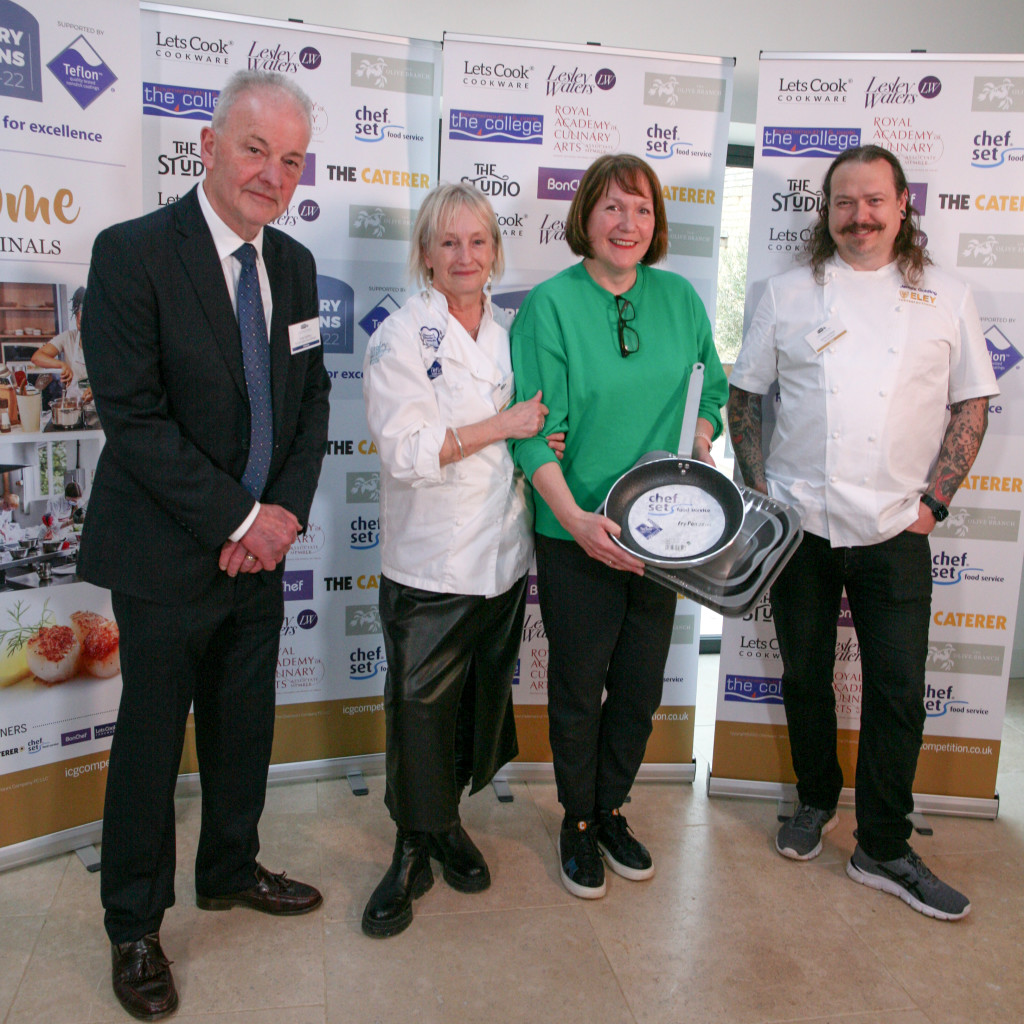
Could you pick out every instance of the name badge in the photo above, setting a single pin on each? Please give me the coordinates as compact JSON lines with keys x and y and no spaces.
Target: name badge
{"x":824,"y":334}
{"x":303,"y":335}
{"x":504,"y":393}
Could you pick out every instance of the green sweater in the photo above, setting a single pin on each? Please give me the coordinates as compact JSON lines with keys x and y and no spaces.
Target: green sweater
{"x":565,"y":343}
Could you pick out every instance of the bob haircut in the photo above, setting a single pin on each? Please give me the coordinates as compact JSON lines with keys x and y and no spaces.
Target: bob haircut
{"x":438,"y":213}
{"x":241,"y":83}
{"x":627,"y":172}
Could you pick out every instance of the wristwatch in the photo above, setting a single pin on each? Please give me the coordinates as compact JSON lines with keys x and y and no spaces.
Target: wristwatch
{"x":939,"y":510}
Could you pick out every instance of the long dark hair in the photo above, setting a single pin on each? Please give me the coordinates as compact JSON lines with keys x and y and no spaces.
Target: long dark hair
{"x":911,"y":257}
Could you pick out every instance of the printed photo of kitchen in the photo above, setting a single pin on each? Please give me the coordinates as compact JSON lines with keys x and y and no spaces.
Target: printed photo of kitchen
{"x":44,"y":382}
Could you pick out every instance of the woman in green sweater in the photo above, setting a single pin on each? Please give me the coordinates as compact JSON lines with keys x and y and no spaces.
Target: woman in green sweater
{"x":610,"y":342}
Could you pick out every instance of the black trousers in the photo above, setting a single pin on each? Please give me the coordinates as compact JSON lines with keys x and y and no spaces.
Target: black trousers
{"x":888,"y":587}
{"x":220,"y":654}
{"x":448,"y":696}
{"x":607,"y":631}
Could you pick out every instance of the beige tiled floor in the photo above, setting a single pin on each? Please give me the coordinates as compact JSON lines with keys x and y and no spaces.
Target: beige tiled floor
{"x":727,"y":932}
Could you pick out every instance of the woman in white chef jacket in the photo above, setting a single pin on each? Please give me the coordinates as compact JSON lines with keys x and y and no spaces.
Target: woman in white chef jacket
{"x":456,"y":543}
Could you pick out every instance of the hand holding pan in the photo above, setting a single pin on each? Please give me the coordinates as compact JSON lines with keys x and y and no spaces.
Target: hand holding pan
{"x":674,"y":510}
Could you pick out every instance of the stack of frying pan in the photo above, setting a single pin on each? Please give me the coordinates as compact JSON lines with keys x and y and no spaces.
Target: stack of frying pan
{"x":697,"y":532}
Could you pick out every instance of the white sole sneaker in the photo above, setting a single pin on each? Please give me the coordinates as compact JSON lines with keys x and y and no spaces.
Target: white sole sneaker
{"x":889,"y":886}
{"x":792,"y":854}
{"x":584,"y":892}
{"x":633,"y":874}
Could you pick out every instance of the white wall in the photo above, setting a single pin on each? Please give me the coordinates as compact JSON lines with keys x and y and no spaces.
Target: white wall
{"x":728,"y":28}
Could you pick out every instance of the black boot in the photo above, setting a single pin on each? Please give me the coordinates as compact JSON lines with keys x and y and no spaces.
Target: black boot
{"x":464,"y":866}
{"x":409,"y":877}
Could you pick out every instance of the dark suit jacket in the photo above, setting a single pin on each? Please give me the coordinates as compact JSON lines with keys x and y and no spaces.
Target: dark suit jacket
{"x":164,"y":355}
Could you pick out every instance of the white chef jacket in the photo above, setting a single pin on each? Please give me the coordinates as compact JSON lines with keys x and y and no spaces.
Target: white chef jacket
{"x":465,"y":528}
{"x":860,"y":424}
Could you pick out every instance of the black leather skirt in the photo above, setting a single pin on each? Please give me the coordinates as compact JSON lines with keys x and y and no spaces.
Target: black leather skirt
{"x":448,"y":696}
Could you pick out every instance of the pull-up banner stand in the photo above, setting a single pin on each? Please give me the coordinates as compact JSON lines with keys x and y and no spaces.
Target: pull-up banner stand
{"x":70,"y":133}
{"x":371,"y":160}
{"x":956,"y":122}
{"x":522,"y":121}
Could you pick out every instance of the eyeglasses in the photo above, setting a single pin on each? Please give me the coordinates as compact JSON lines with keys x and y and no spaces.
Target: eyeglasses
{"x":629,"y":340}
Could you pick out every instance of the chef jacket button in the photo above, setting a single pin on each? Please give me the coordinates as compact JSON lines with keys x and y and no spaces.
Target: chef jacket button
{"x":835,"y":435}
{"x":832,"y":479}
{"x":863,"y":479}
{"x":832,"y":309}
{"x":899,"y":308}
{"x":882,"y":393}
{"x":894,"y":350}
{"x":871,"y":437}
{"x":835,"y":391}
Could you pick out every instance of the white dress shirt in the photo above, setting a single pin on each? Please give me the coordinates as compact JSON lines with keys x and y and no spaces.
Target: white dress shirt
{"x":860,"y":423}
{"x":464,"y":528}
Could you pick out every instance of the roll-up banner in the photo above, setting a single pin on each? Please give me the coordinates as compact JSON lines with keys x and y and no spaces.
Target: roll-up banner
{"x":70,"y":138}
{"x":956,"y":122}
{"x":371,"y":160}
{"x":522,"y":121}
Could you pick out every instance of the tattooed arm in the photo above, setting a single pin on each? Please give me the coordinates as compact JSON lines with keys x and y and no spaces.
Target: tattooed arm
{"x":745,"y":431}
{"x":960,"y":444}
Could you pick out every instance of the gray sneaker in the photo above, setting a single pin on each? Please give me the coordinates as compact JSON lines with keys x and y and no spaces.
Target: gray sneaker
{"x":800,"y":837}
{"x":909,"y":878}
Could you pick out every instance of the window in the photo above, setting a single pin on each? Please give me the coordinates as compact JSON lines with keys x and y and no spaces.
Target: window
{"x":732,"y":290}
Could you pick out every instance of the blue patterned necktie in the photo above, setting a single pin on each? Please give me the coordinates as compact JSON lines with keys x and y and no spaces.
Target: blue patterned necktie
{"x":256,"y":360}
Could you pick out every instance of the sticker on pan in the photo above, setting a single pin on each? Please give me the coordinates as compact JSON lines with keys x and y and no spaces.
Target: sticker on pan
{"x":676,"y":521}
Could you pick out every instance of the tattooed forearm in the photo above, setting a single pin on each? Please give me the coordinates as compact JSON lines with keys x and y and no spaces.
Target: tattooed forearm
{"x":966,"y":428}
{"x":745,"y":431}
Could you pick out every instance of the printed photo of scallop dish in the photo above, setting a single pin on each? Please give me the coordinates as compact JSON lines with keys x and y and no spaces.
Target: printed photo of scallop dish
{"x":37,"y":650}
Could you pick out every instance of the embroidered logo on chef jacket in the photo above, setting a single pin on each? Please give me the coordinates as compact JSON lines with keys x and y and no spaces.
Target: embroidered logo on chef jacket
{"x":378,"y":350}
{"x":434,"y":370}
{"x":921,"y":296}
{"x":431,"y":338}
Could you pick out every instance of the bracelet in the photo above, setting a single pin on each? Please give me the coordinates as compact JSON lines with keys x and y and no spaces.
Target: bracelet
{"x":704,"y":437}
{"x":458,"y":441}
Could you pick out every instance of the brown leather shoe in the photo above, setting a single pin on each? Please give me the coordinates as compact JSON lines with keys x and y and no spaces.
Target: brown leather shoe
{"x":141,"y":976}
{"x":272,"y":894}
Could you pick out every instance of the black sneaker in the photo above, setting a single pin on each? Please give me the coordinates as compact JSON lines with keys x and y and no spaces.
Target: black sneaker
{"x":581,"y":865}
{"x":625,"y":854}
{"x":800,"y":837}
{"x":909,"y":878}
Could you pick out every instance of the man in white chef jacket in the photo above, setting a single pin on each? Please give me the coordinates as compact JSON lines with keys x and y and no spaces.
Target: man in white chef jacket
{"x":870,"y":343}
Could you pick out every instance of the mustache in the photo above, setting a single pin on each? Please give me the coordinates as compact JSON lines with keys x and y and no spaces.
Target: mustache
{"x":850,"y":228}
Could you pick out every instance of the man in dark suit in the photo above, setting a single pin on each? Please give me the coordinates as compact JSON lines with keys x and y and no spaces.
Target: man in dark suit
{"x":214,"y":438}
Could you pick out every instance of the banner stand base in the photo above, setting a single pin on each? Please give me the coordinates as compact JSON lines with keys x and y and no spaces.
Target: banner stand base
{"x":90,"y":857}
{"x":501,"y":790}
{"x":28,"y":852}
{"x":304,"y":771}
{"x":357,"y":783}
{"x":924,"y":803}
{"x":543,"y":771}
{"x":920,"y":823}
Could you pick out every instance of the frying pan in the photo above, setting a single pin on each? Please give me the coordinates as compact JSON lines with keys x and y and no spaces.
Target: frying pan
{"x":672,"y":510}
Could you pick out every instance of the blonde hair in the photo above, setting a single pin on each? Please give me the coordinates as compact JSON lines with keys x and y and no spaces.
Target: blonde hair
{"x":438,"y":213}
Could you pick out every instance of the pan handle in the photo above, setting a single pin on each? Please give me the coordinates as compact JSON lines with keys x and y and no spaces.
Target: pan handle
{"x":690,"y":410}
